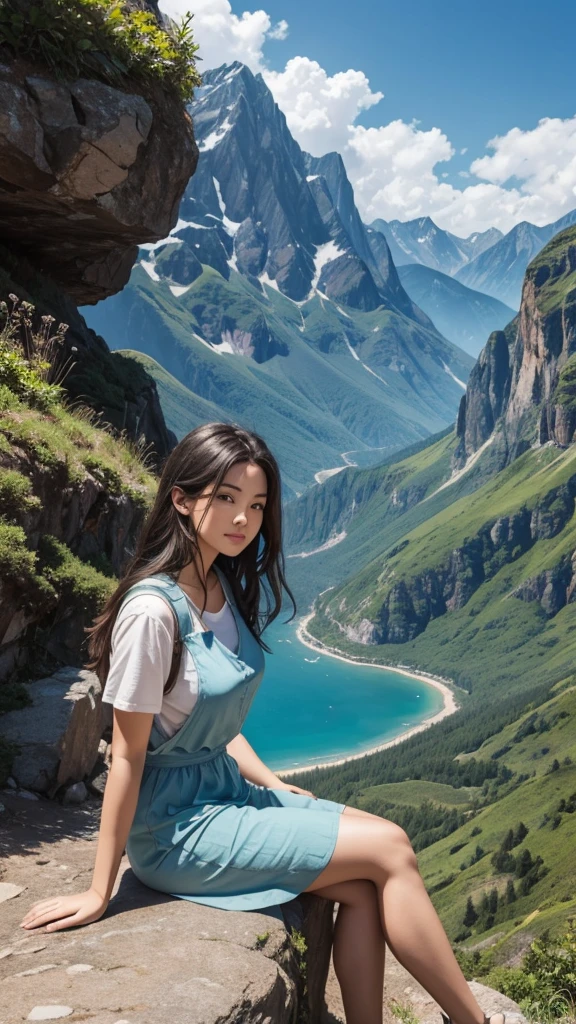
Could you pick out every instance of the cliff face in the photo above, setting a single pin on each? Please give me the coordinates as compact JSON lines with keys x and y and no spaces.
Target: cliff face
{"x":519,"y":388}
{"x":87,"y":173}
{"x":412,"y":601}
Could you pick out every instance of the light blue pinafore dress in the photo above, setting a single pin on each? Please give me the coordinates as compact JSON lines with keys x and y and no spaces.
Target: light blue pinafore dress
{"x":201,"y":831}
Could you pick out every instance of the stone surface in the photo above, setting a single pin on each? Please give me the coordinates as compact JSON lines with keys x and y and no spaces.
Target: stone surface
{"x":152,"y":958}
{"x":8,"y":891}
{"x":51,"y":1012}
{"x":59,"y":733}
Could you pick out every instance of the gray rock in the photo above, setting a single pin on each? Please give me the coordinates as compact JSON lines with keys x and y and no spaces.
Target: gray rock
{"x":110,"y":159}
{"x":76,"y":794}
{"x":58,"y":735}
{"x":210,"y":965}
{"x":98,"y":778}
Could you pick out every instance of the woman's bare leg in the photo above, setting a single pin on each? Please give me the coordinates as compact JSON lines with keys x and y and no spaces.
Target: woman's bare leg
{"x":359,"y":949}
{"x":378,"y":850}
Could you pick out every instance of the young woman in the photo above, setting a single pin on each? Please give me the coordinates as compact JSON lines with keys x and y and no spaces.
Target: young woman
{"x":179,"y":647}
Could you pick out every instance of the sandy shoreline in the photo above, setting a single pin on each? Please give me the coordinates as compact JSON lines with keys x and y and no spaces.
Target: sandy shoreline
{"x":449,"y":708}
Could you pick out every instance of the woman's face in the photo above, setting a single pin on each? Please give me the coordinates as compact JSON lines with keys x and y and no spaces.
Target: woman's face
{"x":236,"y":513}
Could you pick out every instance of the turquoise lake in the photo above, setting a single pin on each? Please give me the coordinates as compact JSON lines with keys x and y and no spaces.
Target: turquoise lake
{"x":307,"y":712}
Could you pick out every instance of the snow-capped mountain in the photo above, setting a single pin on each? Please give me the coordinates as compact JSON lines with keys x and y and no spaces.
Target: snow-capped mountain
{"x":422,"y":241}
{"x":271,"y":302}
{"x":500,"y":270}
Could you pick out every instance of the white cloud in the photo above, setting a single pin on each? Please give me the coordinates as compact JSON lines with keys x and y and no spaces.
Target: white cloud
{"x":319,"y":107}
{"x":280,"y":31}
{"x":223,"y":36}
{"x":528,"y":175}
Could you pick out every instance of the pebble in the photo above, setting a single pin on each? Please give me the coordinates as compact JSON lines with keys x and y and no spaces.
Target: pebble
{"x":79,"y":968}
{"x":11,"y":783}
{"x":27,"y":795}
{"x":2,"y":808}
{"x":29,"y":949}
{"x":49,"y":1012}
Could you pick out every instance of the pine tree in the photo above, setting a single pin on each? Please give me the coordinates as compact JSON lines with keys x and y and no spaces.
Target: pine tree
{"x":510,"y":892}
{"x":520,"y":834}
{"x":523,"y":863}
{"x":493,"y":901}
{"x":508,"y":842}
{"x":470,"y":916}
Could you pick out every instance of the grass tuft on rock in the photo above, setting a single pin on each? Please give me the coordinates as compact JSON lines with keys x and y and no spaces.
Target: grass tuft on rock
{"x":106,"y":39}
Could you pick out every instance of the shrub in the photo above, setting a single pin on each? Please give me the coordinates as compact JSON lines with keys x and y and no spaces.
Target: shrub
{"x":72,"y":578}
{"x":105,"y":39}
{"x":15,"y":497}
{"x":18,"y":566}
{"x":29,"y":354}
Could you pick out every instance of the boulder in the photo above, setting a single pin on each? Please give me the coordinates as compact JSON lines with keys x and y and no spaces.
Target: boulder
{"x":151,"y":958}
{"x":59,"y":733}
{"x":87,"y":173}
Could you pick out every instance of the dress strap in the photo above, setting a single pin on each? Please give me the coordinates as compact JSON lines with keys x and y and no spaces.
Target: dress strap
{"x":165,"y":586}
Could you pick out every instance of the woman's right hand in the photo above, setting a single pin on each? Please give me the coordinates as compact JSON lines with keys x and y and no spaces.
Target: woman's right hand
{"x":65,"y":911}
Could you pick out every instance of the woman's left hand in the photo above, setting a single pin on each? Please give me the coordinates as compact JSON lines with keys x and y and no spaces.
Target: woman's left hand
{"x":295,"y":789}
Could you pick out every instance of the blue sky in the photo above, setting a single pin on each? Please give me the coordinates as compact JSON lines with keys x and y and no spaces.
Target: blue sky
{"x":475,"y":71}
{"x":477,"y":123}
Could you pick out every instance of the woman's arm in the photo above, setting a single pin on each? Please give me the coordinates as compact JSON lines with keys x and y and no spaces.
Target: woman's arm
{"x":253,"y":769}
{"x":129,"y":743}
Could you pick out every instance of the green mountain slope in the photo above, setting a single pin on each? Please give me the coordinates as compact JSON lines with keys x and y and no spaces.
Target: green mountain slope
{"x":314,"y":378}
{"x":468,"y":570}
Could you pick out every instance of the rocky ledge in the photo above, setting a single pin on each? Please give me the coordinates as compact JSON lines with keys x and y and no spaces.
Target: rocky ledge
{"x":153,"y":959}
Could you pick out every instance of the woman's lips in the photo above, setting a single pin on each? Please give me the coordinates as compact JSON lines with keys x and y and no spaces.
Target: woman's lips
{"x":235,"y":536}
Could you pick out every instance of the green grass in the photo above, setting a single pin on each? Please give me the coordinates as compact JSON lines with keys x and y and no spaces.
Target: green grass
{"x":413,"y":792}
{"x":68,"y":440}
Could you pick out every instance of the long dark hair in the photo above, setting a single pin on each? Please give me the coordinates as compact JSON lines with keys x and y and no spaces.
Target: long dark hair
{"x":168,"y":540}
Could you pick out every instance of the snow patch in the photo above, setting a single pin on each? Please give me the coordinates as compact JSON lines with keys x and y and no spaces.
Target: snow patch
{"x":353,"y":351}
{"x":454,"y":377}
{"x":375,"y":331}
{"x":150,"y":269}
{"x":189,"y":224}
{"x":265,"y":279}
{"x":312,"y":177}
{"x":179,"y":289}
{"x":343,"y":311}
{"x":152,"y":246}
{"x":374,"y":374}
{"x":325,"y":253}
{"x":215,"y":137}
{"x":231,"y":226}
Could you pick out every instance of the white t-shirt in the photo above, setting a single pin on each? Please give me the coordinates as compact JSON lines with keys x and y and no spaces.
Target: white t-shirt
{"x":141,"y":656}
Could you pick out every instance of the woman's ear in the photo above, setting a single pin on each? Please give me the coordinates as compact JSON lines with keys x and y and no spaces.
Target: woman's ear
{"x":179,"y":500}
